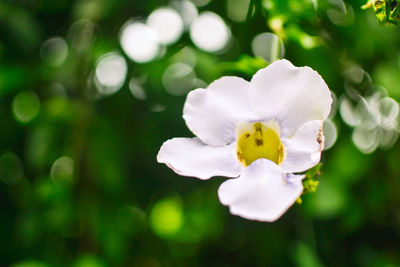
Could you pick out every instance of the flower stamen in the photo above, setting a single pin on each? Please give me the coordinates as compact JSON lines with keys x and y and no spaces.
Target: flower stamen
{"x":259,"y":140}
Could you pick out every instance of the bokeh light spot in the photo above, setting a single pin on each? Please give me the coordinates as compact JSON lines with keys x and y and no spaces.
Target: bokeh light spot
{"x":347,"y":112}
{"x":354,"y":73}
{"x":330,"y":133}
{"x":209,"y":32}
{"x":339,"y":13}
{"x":186,"y":55}
{"x":201,"y":3}
{"x":111,"y":71}
{"x":166,"y":217}
{"x":80,"y":35}
{"x":387,"y":138}
{"x":62,"y":171}
{"x":389,"y":110}
{"x":178,"y":78}
{"x":365,"y":139}
{"x":158,"y":107}
{"x":268,"y":46}
{"x":167,"y":23}
{"x":308,"y":42}
{"x":237,"y":9}
{"x":139,"y":41}
{"x":136,"y":89}
{"x":187,"y":10}
{"x":368,"y":112}
{"x":25,"y":106}
{"x":54,"y":51}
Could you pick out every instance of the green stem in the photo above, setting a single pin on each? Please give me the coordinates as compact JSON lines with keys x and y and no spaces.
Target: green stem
{"x":250,"y":10}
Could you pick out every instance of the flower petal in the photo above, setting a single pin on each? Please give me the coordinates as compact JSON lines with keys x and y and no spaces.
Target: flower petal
{"x":263,"y":192}
{"x":212,"y":113}
{"x":303,"y":150}
{"x":289,"y":95}
{"x":191,"y":157}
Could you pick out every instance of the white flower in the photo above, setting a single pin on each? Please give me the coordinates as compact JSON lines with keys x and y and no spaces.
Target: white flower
{"x":260,"y":131}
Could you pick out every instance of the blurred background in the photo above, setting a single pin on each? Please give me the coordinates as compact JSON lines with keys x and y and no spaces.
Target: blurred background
{"x":90,"y":89}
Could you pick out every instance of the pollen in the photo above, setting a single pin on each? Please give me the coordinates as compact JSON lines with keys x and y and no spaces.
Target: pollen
{"x":259,"y":140}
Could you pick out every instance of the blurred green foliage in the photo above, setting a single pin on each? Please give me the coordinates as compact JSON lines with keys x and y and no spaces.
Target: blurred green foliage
{"x":386,"y":11}
{"x":79,"y":182}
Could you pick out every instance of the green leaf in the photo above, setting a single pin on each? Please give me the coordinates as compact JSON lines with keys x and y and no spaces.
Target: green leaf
{"x":245,"y":64}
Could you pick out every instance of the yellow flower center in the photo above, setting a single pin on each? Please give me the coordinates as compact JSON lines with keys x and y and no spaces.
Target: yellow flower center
{"x":258,"y":140}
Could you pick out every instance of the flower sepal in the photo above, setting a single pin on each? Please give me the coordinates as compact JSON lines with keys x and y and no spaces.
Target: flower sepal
{"x":310,"y":182}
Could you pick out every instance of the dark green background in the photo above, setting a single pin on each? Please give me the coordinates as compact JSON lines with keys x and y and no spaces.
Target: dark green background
{"x":105,"y":215}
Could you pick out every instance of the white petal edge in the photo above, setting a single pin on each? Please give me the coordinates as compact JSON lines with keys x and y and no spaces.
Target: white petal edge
{"x":263,"y":192}
{"x":303,"y":150}
{"x":212,"y":113}
{"x":290,"y":95}
{"x":191,"y":157}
